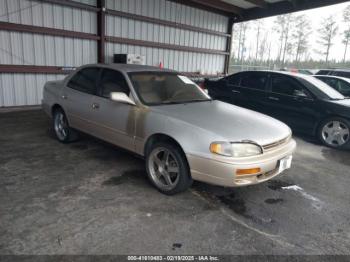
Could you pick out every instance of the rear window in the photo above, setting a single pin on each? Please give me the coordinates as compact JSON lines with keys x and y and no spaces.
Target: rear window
{"x":342,"y":74}
{"x":254,"y":81}
{"x":85,"y":80}
{"x":233,"y":79}
{"x":323,"y":72}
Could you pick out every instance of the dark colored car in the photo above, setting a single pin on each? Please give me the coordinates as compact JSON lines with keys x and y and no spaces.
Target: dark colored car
{"x":341,"y":84}
{"x":335,"y":72}
{"x":305,"y":103}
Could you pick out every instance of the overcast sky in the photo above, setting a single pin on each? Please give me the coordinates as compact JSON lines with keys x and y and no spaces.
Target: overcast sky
{"x":315,"y":16}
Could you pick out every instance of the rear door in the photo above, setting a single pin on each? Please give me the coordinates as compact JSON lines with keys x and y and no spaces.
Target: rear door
{"x":77,"y":98}
{"x":289,"y":101}
{"x":225,"y":89}
{"x":251,"y":91}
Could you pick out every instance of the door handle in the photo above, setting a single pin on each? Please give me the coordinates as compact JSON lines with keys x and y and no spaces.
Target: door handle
{"x":235,"y":91}
{"x":274,"y":98}
{"x":64,"y":97}
{"x":298,"y":98}
{"x":95,"y":106}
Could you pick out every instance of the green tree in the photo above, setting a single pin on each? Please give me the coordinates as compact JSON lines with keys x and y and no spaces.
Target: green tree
{"x":327,"y":32}
{"x":346,"y":33}
{"x":301,"y":33}
{"x":283,"y":25}
{"x":259,"y":24}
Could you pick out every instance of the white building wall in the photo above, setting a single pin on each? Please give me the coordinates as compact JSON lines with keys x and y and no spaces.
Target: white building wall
{"x":19,"y":48}
{"x":48,"y":15}
{"x":166,"y":10}
{"x":23,"y":89}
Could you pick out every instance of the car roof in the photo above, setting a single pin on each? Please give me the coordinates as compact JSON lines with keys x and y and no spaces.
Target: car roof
{"x":127,"y":68}
{"x":279,"y":72}
{"x":336,"y":70}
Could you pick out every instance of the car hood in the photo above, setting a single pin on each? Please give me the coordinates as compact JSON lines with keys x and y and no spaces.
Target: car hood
{"x":227,"y":121}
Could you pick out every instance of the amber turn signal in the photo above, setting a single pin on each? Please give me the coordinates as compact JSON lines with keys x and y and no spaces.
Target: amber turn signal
{"x":250,"y":171}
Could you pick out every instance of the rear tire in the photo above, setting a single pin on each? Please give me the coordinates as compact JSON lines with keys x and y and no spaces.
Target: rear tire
{"x":64,"y":133}
{"x":167,"y":168}
{"x":334,"y":132}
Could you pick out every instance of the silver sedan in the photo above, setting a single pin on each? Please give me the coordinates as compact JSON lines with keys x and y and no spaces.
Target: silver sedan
{"x":162,"y":115}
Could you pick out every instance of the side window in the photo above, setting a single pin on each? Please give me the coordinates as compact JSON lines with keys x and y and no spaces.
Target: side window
{"x":342,"y":74}
{"x":254,"y":80}
{"x":112,"y":81}
{"x":85,"y":80}
{"x":343,"y":86}
{"x":287,"y":86}
{"x":331,"y":82}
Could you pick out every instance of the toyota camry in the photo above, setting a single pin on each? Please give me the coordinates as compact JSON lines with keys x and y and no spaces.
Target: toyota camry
{"x":162,"y":115}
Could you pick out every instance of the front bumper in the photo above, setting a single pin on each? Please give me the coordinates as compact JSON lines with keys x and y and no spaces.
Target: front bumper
{"x":222,"y":170}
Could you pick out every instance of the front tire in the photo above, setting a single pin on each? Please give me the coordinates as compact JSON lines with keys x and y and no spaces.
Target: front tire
{"x":64,"y":133}
{"x":167,"y":168}
{"x":335,"y":133}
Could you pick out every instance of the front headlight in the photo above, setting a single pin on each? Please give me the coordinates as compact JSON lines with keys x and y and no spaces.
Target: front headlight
{"x":235,"y":149}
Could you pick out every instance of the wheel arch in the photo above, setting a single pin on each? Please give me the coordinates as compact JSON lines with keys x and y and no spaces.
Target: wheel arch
{"x":322,"y":120}
{"x":162,"y":138}
{"x":55,"y":107}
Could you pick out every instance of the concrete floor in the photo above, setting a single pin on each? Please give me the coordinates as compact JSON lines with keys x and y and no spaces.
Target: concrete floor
{"x":92,"y":198}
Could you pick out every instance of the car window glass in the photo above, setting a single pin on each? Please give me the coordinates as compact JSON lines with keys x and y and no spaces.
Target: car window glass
{"x":343,"y":86}
{"x":286,"y":86}
{"x":234,"y":79}
{"x":320,"y":88}
{"x":113,"y":81}
{"x":331,"y":82}
{"x":255,"y":81}
{"x":323,"y":72}
{"x":342,"y":74}
{"x":85,"y":80}
{"x":156,"y":88}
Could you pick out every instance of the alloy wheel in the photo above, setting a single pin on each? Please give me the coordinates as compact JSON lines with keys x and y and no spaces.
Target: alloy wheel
{"x":164,"y":168}
{"x":335,"y":133}
{"x":61,"y":126}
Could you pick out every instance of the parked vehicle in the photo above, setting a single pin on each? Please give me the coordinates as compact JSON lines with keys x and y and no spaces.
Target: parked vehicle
{"x":335,"y":72}
{"x":178,"y":128}
{"x":300,"y":71}
{"x":341,"y":84}
{"x":305,"y":103}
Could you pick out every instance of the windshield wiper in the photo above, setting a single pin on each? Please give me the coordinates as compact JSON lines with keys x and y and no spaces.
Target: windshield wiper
{"x":184,"y":102}
{"x":197,"y":100}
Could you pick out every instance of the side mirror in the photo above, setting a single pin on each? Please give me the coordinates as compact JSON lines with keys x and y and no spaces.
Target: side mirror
{"x":300,"y":93}
{"x":121,"y":98}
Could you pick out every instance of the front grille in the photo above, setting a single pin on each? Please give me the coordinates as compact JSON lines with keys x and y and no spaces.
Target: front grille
{"x":273,"y":145}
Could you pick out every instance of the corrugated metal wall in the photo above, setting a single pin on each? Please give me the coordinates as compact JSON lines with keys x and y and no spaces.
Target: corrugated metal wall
{"x":34,"y":49}
{"x":23,"y":89}
{"x":174,"y":12}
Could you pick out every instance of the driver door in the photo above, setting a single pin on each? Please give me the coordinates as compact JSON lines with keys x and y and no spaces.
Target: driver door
{"x":289,"y":101}
{"x":114,"y":121}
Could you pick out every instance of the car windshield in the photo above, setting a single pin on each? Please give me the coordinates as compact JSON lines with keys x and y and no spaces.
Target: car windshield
{"x":327,"y":91}
{"x":157,"y":88}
